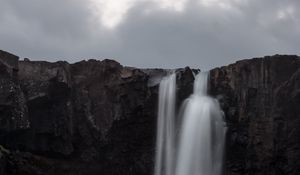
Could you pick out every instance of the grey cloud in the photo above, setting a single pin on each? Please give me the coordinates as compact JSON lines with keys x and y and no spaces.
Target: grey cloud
{"x":197,"y":37}
{"x":205,"y":38}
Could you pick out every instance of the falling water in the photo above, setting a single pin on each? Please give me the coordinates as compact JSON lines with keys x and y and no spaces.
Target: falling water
{"x":201,"y":137}
{"x":164,"y":164}
{"x":202,"y":134}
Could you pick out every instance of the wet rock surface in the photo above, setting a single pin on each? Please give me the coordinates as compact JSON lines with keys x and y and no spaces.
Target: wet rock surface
{"x":99,"y":117}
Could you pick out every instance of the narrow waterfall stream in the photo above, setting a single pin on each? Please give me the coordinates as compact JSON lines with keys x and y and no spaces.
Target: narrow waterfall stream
{"x":164,"y":163}
{"x":199,"y":150}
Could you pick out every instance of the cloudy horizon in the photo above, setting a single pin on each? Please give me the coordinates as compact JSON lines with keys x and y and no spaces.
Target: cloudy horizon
{"x":150,"y":33}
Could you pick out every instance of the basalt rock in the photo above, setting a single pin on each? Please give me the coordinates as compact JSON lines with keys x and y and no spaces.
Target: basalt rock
{"x":99,"y":117}
{"x":259,"y":97}
{"x":91,"y":117}
{"x":13,"y":109}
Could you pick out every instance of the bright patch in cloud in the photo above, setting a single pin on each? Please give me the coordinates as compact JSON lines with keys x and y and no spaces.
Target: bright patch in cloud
{"x":223,"y":4}
{"x":176,"y":5}
{"x":110,"y":13}
{"x":285,"y":13}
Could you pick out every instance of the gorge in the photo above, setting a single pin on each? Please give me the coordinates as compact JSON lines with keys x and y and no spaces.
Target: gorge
{"x":99,"y":117}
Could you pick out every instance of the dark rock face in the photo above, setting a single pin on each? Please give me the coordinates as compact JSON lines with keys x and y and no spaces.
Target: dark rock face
{"x":3,"y":161}
{"x":259,"y":97}
{"x":91,"y":117}
{"x":12,"y":102}
{"x":98,"y":117}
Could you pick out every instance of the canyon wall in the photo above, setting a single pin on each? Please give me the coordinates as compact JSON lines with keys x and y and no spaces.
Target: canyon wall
{"x":261,"y":99}
{"x":99,"y":117}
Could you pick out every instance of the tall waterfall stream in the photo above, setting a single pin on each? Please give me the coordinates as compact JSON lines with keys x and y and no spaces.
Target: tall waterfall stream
{"x":198,"y":147}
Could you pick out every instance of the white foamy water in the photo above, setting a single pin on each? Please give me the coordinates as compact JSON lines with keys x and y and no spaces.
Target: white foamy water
{"x":202,"y":131}
{"x":202,"y":134}
{"x":164,"y":163}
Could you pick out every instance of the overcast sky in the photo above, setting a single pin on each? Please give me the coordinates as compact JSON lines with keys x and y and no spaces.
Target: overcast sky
{"x":150,"y":33}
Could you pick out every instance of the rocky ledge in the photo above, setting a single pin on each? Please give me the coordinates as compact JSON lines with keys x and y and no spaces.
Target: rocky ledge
{"x":99,"y":117}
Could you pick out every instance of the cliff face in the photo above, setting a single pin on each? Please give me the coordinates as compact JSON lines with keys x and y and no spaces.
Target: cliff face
{"x":91,"y":117}
{"x":260,"y":98}
{"x":98,"y":117}
{"x":12,"y":102}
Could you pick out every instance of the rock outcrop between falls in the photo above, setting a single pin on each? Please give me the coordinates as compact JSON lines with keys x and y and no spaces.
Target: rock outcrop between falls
{"x":99,"y":117}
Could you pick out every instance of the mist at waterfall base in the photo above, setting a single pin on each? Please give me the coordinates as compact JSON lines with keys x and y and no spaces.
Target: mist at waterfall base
{"x":197,"y":149}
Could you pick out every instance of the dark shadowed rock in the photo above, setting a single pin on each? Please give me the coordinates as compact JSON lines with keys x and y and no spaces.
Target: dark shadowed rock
{"x":13,"y":110}
{"x":10,"y":62}
{"x":99,"y":117}
{"x":4,"y":153}
{"x":250,"y":92}
{"x":47,"y":88}
{"x":286,"y":114}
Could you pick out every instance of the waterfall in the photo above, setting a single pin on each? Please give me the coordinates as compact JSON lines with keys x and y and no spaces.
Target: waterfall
{"x":202,"y":132}
{"x":164,"y":164}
